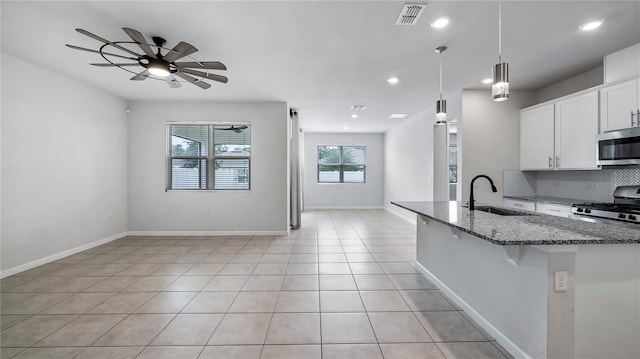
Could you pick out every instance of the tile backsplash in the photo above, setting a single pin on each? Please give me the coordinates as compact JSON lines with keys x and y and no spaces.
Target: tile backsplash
{"x":597,"y":185}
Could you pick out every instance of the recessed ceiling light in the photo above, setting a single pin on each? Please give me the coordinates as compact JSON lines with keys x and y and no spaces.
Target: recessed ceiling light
{"x":440,"y":23}
{"x":487,"y":81}
{"x":592,"y":25}
{"x":393,"y":80}
{"x":398,"y":115}
{"x":354,"y":116}
{"x":346,"y":127}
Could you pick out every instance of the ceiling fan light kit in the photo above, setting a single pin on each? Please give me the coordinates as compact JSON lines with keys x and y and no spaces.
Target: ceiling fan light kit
{"x":156,"y":65}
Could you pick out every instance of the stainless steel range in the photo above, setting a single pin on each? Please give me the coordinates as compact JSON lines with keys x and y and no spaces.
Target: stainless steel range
{"x":625,"y":206}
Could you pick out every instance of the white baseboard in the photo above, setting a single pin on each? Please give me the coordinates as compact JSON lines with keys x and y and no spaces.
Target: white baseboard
{"x":502,"y":339}
{"x":208,"y":233}
{"x":54,"y":257}
{"x":344,"y":207}
{"x":411,"y":220}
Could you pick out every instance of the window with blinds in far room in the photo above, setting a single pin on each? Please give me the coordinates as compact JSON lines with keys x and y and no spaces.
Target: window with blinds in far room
{"x":209,"y":157}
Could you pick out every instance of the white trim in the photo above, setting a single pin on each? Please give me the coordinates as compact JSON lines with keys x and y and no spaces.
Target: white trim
{"x":502,"y":339}
{"x":208,"y":233}
{"x":408,"y":219}
{"x":54,"y":257}
{"x":345,"y":207}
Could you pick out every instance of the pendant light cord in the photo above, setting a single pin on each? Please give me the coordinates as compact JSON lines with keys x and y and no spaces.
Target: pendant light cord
{"x":441,"y":75}
{"x":499,"y":32}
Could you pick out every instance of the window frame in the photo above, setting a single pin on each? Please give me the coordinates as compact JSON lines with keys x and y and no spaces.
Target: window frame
{"x":341,"y":165}
{"x":210,"y":158}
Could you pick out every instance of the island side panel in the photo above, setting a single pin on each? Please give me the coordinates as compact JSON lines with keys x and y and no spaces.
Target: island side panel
{"x":511,"y":299}
{"x":607,"y":301}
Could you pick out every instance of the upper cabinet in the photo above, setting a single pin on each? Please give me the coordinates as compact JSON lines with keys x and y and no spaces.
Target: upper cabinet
{"x":561,"y":134}
{"x":620,"y":105}
{"x":537,"y":138}
{"x":576,"y":124}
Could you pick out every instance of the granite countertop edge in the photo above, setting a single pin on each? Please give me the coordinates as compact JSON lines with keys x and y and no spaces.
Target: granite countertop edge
{"x":520,"y":242}
{"x":549,"y":200}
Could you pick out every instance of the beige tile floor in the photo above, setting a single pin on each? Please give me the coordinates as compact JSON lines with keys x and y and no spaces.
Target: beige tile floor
{"x":343,"y":286}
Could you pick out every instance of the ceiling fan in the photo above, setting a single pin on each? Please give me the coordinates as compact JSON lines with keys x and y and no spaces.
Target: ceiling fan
{"x":236,"y":129}
{"x":156,"y":65}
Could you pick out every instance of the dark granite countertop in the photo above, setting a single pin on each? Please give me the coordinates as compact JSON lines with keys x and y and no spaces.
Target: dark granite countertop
{"x":523,"y":230}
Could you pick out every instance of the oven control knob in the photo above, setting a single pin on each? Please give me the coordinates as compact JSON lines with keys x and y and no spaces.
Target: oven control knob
{"x":622,"y":216}
{"x":587,"y":210}
{"x":632,"y":217}
{"x":580,"y":210}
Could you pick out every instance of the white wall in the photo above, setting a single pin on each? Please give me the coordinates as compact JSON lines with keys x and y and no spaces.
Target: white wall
{"x":408,"y":158}
{"x":64,"y":163}
{"x":344,"y":195}
{"x":489,"y":137}
{"x":263,"y":209}
{"x":579,"y":82}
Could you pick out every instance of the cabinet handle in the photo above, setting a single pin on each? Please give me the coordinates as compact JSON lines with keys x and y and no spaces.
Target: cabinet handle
{"x":632,"y":114}
{"x":557,"y":161}
{"x":517,"y":205}
{"x":638,"y":117}
{"x":550,"y":162}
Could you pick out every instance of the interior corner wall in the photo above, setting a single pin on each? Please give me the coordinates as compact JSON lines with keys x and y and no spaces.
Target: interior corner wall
{"x":344,"y":195}
{"x":64,"y":165}
{"x":489,"y":140}
{"x":408,"y":158}
{"x":260,"y":210}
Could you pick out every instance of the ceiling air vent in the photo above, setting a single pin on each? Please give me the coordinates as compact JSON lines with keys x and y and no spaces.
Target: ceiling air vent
{"x":410,"y":14}
{"x":358,"y":107}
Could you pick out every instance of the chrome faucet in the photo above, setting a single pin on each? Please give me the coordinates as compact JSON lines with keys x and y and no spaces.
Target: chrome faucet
{"x":471,"y":200}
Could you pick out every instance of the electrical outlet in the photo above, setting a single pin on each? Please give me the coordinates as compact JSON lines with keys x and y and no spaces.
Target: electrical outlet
{"x":560,"y":281}
{"x":590,"y":186}
{"x":556,"y":184}
{"x":212,"y":213}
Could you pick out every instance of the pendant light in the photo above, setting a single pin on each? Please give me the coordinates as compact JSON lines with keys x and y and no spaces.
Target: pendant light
{"x":500,"y":87}
{"x":441,"y":105}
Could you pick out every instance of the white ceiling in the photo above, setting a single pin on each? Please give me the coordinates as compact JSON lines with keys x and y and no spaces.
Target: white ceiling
{"x":324,"y":56}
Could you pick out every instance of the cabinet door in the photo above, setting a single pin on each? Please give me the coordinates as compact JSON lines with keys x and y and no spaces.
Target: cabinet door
{"x":536,"y":138}
{"x":617,"y":102}
{"x":576,"y":130}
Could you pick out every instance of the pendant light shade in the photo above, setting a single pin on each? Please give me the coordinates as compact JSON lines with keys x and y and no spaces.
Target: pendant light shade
{"x":441,"y":105}
{"x":500,"y":87}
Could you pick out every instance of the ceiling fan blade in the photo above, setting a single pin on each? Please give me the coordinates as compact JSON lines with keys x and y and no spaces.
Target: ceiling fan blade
{"x":139,"y":38}
{"x":172,"y":82}
{"x":94,"y":36}
{"x":211,"y":65}
{"x":203,"y":85}
{"x":98,"y":52}
{"x":205,"y":75}
{"x":114,"y":65}
{"x":141,"y":76}
{"x":181,"y":50}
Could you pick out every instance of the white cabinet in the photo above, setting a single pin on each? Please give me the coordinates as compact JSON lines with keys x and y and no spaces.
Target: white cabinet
{"x":620,"y":105}
{"x":519,"y":204}
{"x":576,"y":127}
{"x":557,"y":210}
{"x":561,"y":134}
{"x":536,"y":138}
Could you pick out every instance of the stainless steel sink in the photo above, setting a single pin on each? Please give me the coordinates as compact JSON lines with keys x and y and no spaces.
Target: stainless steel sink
{"x":502,"y":211}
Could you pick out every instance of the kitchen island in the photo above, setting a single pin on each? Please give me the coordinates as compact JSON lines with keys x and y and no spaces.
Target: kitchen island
{"x":544,"y":287}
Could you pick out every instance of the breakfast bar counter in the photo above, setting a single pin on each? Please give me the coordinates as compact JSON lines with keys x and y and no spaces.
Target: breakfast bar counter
{"x":543,"y":286}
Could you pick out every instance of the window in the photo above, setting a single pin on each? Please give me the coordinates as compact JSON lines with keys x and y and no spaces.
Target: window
{"x":341,"y":164}
{"x":208,"y":156}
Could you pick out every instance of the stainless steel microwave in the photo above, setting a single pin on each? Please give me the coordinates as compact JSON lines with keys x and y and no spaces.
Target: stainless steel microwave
{"x":620,"y":147}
